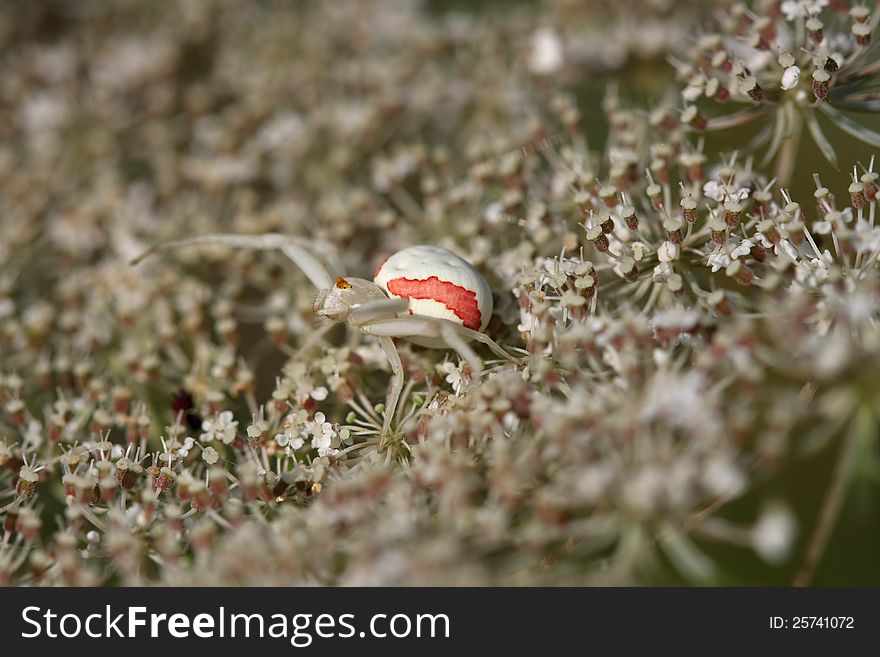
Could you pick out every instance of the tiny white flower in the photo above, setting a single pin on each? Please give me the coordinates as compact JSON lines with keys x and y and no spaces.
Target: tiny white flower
{"x":722,"y":478}
{"x":668,"y":252}
{"x":526,"y":321}
{"x":794,"y":9}
{"x":676,"y":317}
{"x":742,"y":249}
{"x":210,"y":455}
{"x":822,"y":227}
{"x":790,"y":77}
{"x":773,"y":534}
{"x":615,"y":247}
{"x":457,"y":380}
{"x":188,"y":444}
{"x":718,"y":261}
{"x":291,"y":438}
{"x":692,"y":93}
{"x":494,"y":213}
{"x":323,"y":436}
{"x":787,"y":248}
{"x":714,"y":191}
{"x":222,"y":427}
{"x":720,"y":192}
{"x":740,"y":194}
{"x":661,"y":272}
{"x":639,"y":251}
{"x":546,"y":55}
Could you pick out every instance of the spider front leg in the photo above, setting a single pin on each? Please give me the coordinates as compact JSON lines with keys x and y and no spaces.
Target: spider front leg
{"x":396,"y":384}
{"x":371,"y":312}
{"x":293,"y":247}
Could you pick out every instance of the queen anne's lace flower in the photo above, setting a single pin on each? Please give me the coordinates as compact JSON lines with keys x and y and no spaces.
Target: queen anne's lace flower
{"x":681,"y":325}
{"x":222,"y":427}
{"x":794,"y":9}
{"x":324,"y":435}
{"x":790,"y":77}
{"x":547,"y":52}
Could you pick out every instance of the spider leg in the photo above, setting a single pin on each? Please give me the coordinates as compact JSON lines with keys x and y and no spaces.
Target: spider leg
{"x":425,"y":327}
{"x":402,"y":327}
{"x":458,"y":343}
{"x":294,"y":248}
{"x":454,"y":335}
{"x":396,"y":383}
{"x":376,"y":311}
{"x":383,"y":308}
{"x":482,"y":338}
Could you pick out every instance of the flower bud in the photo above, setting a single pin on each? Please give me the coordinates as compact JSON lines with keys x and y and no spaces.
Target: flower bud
{"x":688,"y":209}
{"x":609,"y":196}
{"x":732,"y":212}
{"x":655,"y":193}
{"x":598,"y":238}
{"x":862,"y":33}
{"x":672,"y":226}
{"x":869,"y":180}
{"x":815,"y":30}
{"x":738,"y":271}
{"x":717,"y":230}
{"x":692,"y":117}
{"x":752,"y":88}
{"x":857,"y":195}
{"x":630,"y":218}
{"x":821,"y":79}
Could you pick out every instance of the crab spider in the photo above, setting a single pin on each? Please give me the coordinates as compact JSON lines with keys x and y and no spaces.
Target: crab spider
{"x":426,"y":294}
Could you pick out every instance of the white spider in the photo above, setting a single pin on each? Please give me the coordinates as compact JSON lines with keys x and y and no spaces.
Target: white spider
{"x":427,"y":294}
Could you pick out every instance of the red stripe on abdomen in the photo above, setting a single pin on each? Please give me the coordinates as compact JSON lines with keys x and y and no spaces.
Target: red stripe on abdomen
{"x":460,"y":300}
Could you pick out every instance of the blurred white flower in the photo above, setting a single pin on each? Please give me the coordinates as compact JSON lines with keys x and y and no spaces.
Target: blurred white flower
{"x":794,"y":9}
{"x":773,"y":534}
{"x":183,"y":451}
{"x":547,"y":54}
{"x":720,"y":192}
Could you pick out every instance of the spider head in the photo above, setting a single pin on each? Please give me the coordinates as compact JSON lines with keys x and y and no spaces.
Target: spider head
{"x":337,"y":302}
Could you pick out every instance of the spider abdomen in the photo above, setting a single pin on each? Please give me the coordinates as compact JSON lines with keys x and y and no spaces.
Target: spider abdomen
{"x":438,"y":283}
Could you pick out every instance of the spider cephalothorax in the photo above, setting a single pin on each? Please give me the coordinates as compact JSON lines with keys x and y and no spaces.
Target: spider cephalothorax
{"x":347,"y":294}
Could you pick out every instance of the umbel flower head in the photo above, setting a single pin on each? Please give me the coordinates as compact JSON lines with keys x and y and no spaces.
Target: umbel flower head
{"x":795,"y":65}
{"x":696,"y":336}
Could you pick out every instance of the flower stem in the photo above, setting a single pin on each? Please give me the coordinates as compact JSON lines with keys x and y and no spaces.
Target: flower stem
{"x":785,"y":163}
{"x":864,"y":422}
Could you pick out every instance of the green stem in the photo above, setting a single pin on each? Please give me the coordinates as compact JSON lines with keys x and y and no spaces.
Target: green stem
{"x":787,"y":159}
{"x":863,"y":425}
